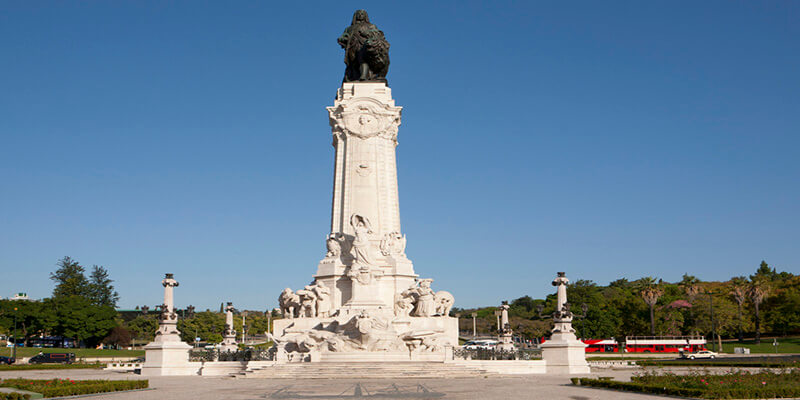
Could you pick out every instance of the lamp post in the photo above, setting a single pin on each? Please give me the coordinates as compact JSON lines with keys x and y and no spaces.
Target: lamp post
{"x":713,"y":324}
{"x":474,"y":325}
{"x":585,"y":309}
{"x":14,"y":352}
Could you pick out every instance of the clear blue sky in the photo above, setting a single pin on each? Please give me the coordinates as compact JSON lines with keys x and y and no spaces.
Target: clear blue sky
{"x":605,"y":139}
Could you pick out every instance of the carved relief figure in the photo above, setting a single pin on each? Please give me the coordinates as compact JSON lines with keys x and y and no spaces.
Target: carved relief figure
{"x":403,"y":304}
{"x":361,"y":247}
{"x":393,"y":243}
{"x":444,"y":302}
{"x":289,"y":303}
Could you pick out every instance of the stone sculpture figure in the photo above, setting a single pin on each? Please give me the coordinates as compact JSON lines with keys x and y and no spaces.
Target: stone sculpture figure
{"x":308,"y":301}
{"x":366,"y":50}
{"x":333,"y":245}
{"x":425,"y":306}
{"x":289,"y":303}
{"x":444,"y":302}
{"x":323,"y":294}
{"x":404,"y":303}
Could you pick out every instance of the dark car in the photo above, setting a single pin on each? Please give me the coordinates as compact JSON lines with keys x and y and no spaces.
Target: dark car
{"x":53,"y":358}
{"x":6,"y":360}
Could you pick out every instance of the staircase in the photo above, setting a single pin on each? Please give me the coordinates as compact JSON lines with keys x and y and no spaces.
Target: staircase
{"x":363,"y":370}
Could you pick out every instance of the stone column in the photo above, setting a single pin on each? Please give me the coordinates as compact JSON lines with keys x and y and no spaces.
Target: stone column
{"x":563,"y":352}
{"x":229,"y":335}
{"x":364,"y":121}
{"x":167,"y":354}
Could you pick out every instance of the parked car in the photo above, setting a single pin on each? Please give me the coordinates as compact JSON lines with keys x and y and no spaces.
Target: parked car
{"x":480,"y":344}
{"x":700,"y":354}
{"x":53,"y":358}
{"x":7,"y":360}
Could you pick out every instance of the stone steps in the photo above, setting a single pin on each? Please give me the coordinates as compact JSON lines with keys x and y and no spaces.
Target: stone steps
{"x":364,"y":370}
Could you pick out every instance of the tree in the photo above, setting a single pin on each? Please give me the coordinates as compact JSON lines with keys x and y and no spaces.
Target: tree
{"x":31,"y":318}
{"x":143,"y":327}
{"x":760,"y":285}
{"x":78,"y":318}
{"x":119,"y":336}
{"x":101,"y":291}
{"x":691,"y":286}
{"x":208,"y":326}
{"x":69,"y":279}
{"x":650,"y":290}
{"x":739,"y":294}
{"x":757,"y":291}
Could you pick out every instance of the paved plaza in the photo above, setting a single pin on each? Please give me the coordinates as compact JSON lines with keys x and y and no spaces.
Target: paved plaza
{"x":548,"y":387}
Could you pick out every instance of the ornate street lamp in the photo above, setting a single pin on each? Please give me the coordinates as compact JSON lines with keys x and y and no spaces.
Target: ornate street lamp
{"x":14,"y":352}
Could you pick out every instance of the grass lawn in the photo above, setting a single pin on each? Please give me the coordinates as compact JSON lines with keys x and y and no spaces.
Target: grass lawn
{"x":785,"y":345}
{"x":32,"y":351}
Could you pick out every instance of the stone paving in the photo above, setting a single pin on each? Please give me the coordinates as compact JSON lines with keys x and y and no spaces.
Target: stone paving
{"x":549,"y":387}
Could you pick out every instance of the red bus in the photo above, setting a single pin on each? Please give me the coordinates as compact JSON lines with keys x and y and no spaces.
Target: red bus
{"x":647,"y":344}
{"x":664,"y":344}
{"x":601,"y":345}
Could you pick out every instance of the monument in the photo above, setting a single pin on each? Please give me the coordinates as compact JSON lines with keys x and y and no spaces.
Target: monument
{"x":167,"y":354}
{"x":365,"y":300}
{"x":564,"y":353}
{"x":229,"y":334}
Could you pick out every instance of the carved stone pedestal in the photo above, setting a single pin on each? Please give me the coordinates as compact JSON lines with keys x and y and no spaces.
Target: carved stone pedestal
{"x":167,"y":354}
{"x":564,"y":353}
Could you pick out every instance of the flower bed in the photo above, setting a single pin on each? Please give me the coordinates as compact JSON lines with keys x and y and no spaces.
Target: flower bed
{"x":68,"y":387}
{"x":733,"y":385}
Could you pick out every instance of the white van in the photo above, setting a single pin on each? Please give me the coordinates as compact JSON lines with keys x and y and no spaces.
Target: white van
{"x":487,"y":344}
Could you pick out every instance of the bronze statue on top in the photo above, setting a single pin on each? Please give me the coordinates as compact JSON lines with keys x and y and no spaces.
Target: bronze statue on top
{"x":366,"y":50}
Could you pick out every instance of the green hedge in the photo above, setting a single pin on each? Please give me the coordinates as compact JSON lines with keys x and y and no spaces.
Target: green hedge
{"x":721,"y":393}
{"x":24,"y":367}
{"x":64,"y":387}
{"x":718,"y":363}
{"x":14,"y":396}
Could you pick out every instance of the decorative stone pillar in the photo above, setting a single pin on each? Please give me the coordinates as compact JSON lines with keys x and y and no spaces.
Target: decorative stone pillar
{"x":506,"y":334}
{"x":167,"y":354}
{"x":564,"y":353}
{"x":229,"y":335}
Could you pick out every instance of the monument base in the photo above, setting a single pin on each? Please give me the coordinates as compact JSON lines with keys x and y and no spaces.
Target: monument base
{"x":365,"y":339}
{"x":565,"y":354}
{"x":168,"y":359}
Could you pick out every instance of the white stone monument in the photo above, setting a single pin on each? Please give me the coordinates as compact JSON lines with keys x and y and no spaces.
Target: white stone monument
{"x":365,"y":301}
{"x":167,"y":354}
{"x":564,"y":353}
{"x":505,"y":333}
{"x":229,"y":334}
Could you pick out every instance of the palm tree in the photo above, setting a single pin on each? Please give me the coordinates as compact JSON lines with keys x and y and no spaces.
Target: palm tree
{"x":757,"y":291}
{"x":691,"y":286}
{"x":650,"y":290}
{"x":739,"y":293}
